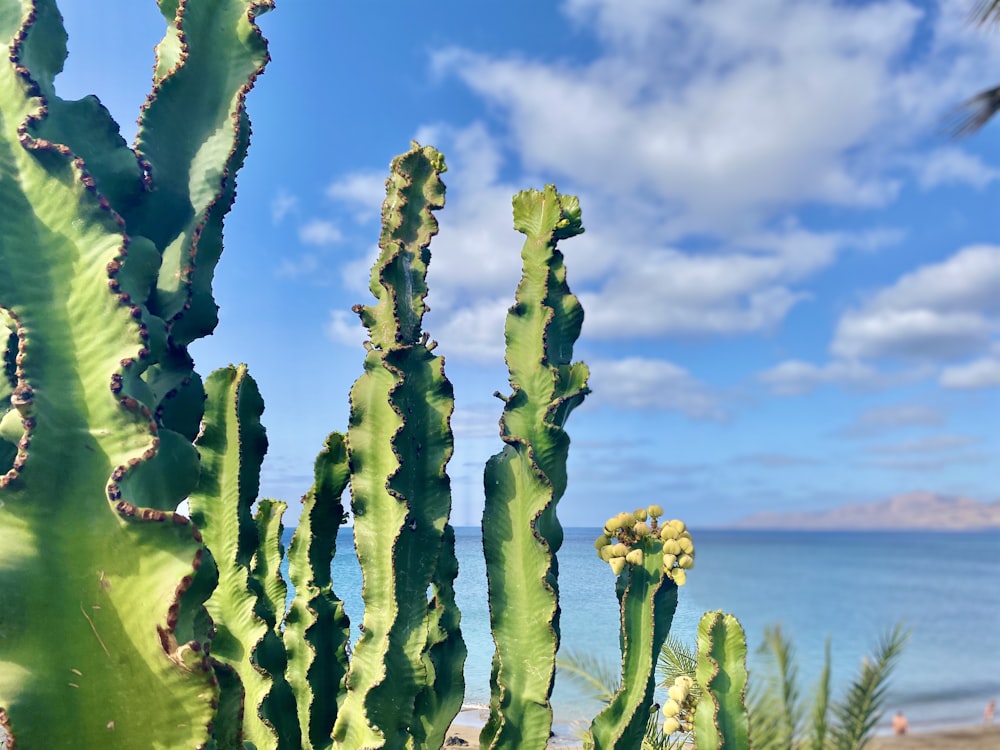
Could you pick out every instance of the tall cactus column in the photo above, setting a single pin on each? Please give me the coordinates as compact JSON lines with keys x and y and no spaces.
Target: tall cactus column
{"x":399,"y":441}
{"x":93,"y":559}
{"x":521,"y":532}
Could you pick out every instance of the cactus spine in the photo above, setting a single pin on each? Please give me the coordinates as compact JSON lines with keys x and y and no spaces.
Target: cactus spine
{"x":399,"y":442}
{"x":521,"y":533}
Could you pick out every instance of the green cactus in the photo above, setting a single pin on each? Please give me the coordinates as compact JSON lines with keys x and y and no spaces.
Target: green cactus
{"x":647,"y":596}
{"x":720,"y":720}
{"x":398,"y":443}
{"x":524,"y":482}
{"x":95,"y":561}
{"x":316,"y":629}
{"x":148,"y":631}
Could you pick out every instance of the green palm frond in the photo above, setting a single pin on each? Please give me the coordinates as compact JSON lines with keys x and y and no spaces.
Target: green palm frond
{"x":863,"y":705}
{"x":986,"y":11}
{"x":820,"y":713}
{"x":595,"y":678}
{"x":776,"y":712}
{"x":677,"y":659}
{"x":655,"y":739}
{"x":971,"y":115}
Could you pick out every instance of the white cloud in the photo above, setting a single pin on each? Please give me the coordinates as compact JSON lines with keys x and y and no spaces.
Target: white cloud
{"x":724,"y":112}
{"x":980,"y":373}
{"x":319,"y":232}
{"x":883,"y":419}
{"x":473,"y":332}
{"x":952,"y":166}
{"x":282,"y":205}
{"x":637,"y":383}
{"x":940,"y":311}
{"x":910,"y":334}
{"x":480,"y":421}
{"x":345,"y":328}
{"x":305,"y":265}
{"x":793,"y":377}
{"x":925,"y":445}
{"x":364,"y":191}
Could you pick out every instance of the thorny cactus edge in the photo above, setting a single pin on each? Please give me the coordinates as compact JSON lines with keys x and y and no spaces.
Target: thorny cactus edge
{"x":105,"y":401}
{"x":111,"y":606}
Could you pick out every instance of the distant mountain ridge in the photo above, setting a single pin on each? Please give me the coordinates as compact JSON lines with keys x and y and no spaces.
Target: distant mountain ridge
{"x":912,"y":510}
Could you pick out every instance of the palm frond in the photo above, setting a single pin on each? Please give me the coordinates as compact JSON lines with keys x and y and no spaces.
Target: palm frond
{"x":863,"y":705}
{"x":777,"y":705}
{"x":820,"y":713}
{"x":970,"y":116}
{"x":986,"y":12}
{"x":655,"y":739}
{"x":676,"y":659}
{"x":594,"y":677}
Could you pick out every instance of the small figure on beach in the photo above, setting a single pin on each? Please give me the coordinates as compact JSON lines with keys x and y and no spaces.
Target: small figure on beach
{"x":899,"y":723}
{"x":989,"y":712}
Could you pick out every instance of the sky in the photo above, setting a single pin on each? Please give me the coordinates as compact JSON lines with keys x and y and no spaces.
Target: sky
{"x":790,"y":271}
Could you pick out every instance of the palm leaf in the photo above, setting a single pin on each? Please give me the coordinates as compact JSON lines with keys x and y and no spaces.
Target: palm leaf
{"x":776,"y":711}
{"x":594,"y":677}
{"x":969,"y":117}
{"x":863,"y":705}
{"x":820,"y":713}
{"x":677,"y":659}
{"x":986,"y":11}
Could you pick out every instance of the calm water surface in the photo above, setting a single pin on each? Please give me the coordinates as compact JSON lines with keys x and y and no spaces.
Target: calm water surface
{"x":849,"y":586}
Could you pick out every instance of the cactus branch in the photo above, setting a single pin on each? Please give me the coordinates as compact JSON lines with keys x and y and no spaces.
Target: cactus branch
{"x":521,"y":532}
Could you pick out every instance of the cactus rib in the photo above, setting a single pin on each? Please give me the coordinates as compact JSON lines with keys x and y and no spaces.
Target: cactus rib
{"x":523,"y":483}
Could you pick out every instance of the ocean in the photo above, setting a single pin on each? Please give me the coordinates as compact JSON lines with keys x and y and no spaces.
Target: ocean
{"x":852,"y":587}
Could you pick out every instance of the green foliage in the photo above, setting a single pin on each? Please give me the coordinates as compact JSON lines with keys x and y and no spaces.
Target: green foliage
{"x":146,"y":630}
{"x":781,"y":719}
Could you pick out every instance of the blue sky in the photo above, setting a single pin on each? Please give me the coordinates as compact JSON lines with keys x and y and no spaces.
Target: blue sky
{"x":791,"y":277}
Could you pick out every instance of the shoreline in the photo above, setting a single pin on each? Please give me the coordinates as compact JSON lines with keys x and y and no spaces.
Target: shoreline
{"x":469,"y":722}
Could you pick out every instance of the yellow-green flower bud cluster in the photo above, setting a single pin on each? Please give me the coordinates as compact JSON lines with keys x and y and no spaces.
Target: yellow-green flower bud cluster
{"x":678,"y":710}
{"x":625,"y":534}
{"x":678,"y":550}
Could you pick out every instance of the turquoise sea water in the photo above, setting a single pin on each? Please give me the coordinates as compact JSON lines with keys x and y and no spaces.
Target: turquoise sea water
{"x":850,"y":586}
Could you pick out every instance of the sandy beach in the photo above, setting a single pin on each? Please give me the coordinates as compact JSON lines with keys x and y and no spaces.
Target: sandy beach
{"x":969,"y":738}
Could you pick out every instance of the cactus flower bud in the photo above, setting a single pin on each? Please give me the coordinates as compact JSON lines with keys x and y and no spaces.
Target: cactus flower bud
{"x":602,"y":541}
{"x":678,"y":525}
{"x":642,"y":530}
{"x":683,"y":679}
{"x":685,"y":561}
{"x":655,"y":511}
{"x":671,"y":708}
{"x":671,"y":725}
{"x":668,"y":562}
{"x":639,"y":514}
{"x":606,"y":553}
{"x":686,"y":545}
{"x":617,"y":564}
{"x":671,"y":547}
{"x":679,"y":576}
{"x":634,"y":557}
{"x":668,"y":532}
{"x":611,"y":526}
{"x":619,"y":550}
{"x":677,"y":693}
